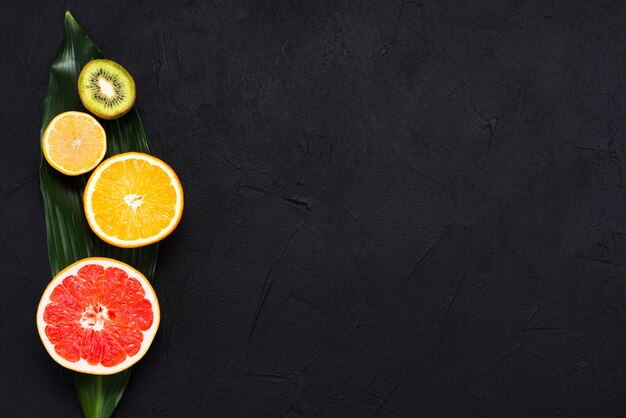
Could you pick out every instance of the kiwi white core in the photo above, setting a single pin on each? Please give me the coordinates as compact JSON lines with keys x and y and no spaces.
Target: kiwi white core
{"x":106,"y":87}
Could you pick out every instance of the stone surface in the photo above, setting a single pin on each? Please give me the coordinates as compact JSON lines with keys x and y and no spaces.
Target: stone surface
{"x":393,"y":208}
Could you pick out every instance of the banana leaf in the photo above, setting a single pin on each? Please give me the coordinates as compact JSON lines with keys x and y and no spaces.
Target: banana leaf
{"x":69,"y":236}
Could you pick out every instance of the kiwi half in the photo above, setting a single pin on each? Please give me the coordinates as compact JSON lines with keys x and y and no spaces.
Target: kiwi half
{"x":106,"y":89}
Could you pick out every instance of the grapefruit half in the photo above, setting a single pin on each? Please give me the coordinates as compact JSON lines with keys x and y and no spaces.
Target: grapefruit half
{"x":98,"y":316}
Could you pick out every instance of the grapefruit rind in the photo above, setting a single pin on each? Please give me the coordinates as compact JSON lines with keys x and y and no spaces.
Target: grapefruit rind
{"x":90,"y":187}
{"x":82,"y":365}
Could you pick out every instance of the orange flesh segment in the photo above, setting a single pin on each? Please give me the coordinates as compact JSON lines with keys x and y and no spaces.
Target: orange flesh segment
{"x":133,"y":200}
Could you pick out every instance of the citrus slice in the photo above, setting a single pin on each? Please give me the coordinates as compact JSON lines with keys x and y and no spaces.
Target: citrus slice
{"x":74,"y":143}
{"x":133,"y":199}
{"x":98,"y":316}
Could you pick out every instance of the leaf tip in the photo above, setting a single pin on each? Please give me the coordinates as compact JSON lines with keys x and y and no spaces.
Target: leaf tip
{"x":68,"y":15}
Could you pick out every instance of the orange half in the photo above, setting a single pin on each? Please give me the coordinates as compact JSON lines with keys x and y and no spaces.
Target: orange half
{"x":74,"y":143}
{"x":133,"y":199}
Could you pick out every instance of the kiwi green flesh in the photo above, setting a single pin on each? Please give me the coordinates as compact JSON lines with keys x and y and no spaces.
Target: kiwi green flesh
{"x":106,"y":89}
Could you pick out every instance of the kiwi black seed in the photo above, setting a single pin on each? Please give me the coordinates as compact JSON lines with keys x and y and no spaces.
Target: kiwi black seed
{"x":106,"y":89}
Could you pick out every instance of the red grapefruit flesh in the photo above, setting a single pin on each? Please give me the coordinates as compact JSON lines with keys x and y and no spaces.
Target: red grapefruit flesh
{"x":98,"y":316}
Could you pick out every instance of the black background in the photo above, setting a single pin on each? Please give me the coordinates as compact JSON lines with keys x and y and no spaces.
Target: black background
{"x":394,"y":208}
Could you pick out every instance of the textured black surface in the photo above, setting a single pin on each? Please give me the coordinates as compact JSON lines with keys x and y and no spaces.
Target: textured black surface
{"x":393,"y":208}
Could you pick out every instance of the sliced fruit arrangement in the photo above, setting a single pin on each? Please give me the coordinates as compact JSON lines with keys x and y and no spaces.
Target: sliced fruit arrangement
{"x":133,"y":199}
{"x":98,"y":316}
{"x":106,"y":89}
{"x":74,"y":143}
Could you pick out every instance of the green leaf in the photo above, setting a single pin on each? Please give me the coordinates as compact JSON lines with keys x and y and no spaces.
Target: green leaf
{"x":99,"y":395}
{"x":69,"y":236}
